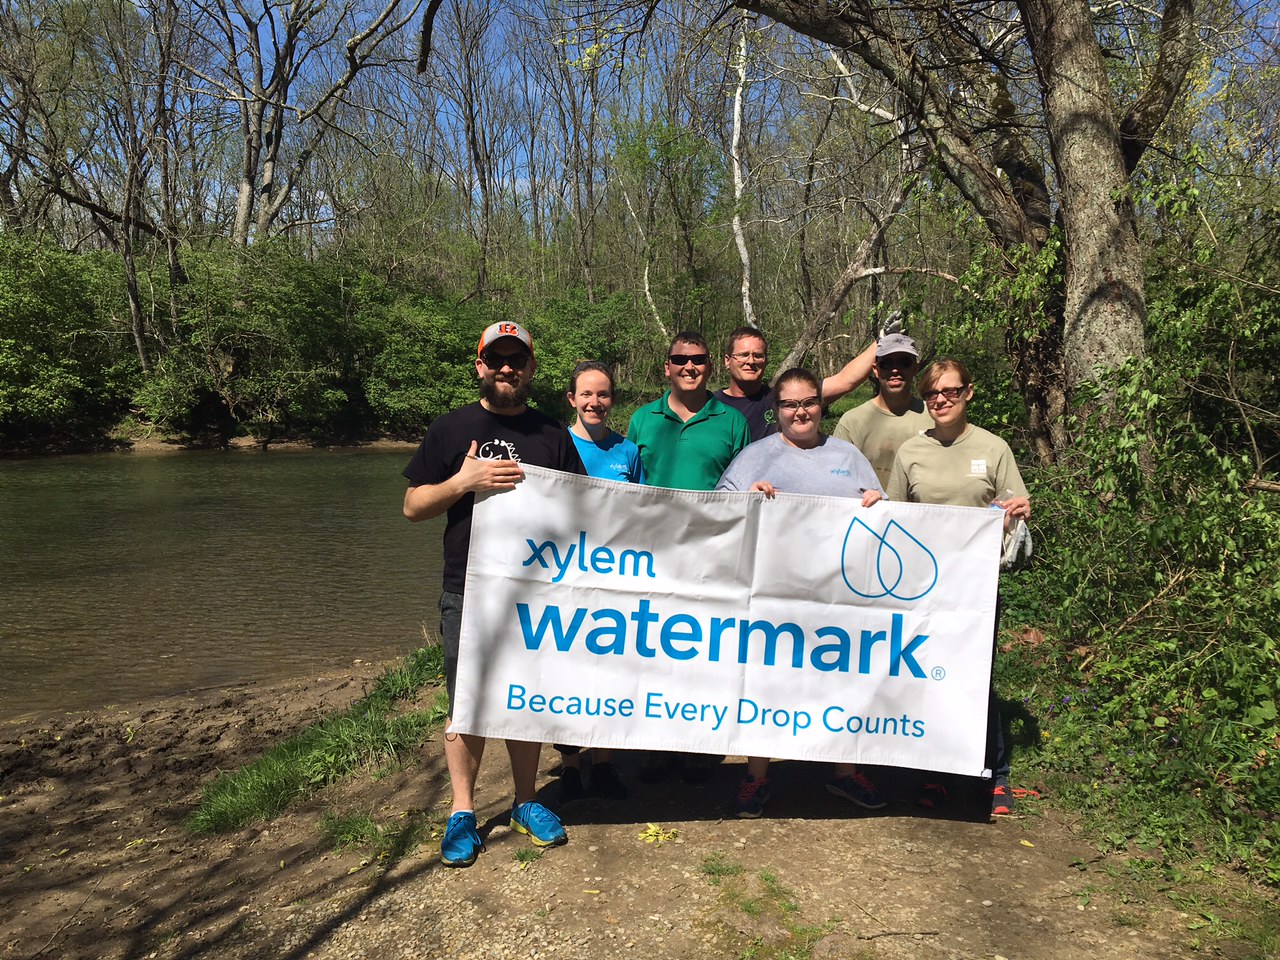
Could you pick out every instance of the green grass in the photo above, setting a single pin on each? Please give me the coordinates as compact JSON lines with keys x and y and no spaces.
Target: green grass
{"x":385,"y":844}
{"x":716,"y":868}
{"x":349,"y":830}
{"x":763,"y":895}
{"x":368,"y":734}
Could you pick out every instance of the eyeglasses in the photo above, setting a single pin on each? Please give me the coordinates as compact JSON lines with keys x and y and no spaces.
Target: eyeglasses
{"x":791,"y":406}
{"x":950,"y":393}
{"x":680,"y":359}
{"x":745,"y":356}
{"x":897,"y":361}
{"x":496,"y":361}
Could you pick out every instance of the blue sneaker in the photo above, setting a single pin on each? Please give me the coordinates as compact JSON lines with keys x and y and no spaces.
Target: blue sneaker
{"x":857,"y":789}
{"x":461,"y":844}
{"x":541,"y":825}
{"x":752,"y":795}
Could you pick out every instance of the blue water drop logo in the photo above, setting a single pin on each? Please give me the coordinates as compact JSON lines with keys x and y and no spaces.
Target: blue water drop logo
{"x":893,"y":564}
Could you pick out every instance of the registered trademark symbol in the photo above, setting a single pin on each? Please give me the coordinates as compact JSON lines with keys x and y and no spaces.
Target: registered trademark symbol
{"x":939,"y":673}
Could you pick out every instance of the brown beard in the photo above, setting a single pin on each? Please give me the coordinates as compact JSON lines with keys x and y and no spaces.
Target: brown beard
{"x":489,"y":391}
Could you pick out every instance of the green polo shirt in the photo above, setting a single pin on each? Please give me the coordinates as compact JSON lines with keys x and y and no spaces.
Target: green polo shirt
{"x":687,"y":454}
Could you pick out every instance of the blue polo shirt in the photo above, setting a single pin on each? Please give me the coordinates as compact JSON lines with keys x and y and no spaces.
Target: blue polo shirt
{"x":687,"y":454}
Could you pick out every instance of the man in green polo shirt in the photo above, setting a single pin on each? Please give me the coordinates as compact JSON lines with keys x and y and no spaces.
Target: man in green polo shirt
{"x":687,"y":437}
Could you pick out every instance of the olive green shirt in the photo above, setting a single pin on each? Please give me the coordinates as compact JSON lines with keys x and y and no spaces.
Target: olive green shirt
{"x":970,"y":472}
{"x":879,"y":434}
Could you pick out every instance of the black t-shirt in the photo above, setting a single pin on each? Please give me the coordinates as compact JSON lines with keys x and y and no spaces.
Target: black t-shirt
{"x":758,"y":410}
{"x":529,"y":437}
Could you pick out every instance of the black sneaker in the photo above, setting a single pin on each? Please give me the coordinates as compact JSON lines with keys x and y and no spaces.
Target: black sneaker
{"x":571,"y":785}
{"x":605,"y":784}
{"x":858,"y":790}
{"x":698,"y":768}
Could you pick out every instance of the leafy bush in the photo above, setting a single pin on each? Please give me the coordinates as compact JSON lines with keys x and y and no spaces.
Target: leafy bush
{"x":65,"y":373}
{"x":999,"y":301}
{"x":1160,"y":706}
{"x":570,"y":330}
{"x":268,"y":342}
{"x":1223,"y":336}
{"x":426,"y":364}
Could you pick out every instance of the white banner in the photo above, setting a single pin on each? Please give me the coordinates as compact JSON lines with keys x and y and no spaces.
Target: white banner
{"x":609,"y":614}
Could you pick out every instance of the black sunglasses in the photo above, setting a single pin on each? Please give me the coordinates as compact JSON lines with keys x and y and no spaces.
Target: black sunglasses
{"x":895,"y":361}
{"x":496,"y":361}
{"x":680,"y":359}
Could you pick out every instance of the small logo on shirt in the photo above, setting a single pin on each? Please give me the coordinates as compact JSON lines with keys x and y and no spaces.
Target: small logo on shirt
{"x":497,"y":450}
{"x":977,"y":468}
{"x":840,"y":472}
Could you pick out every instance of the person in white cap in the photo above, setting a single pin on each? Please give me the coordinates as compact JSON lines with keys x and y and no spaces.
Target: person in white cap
{"x":882,"y":424}
{"x":476,"y":448}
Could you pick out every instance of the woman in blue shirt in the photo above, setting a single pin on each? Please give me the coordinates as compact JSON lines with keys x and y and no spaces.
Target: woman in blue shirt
{"x":604,"y":453}
{"x":611,"y":456}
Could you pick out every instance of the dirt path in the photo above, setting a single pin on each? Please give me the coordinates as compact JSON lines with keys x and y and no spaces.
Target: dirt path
{"x":94,"y":862}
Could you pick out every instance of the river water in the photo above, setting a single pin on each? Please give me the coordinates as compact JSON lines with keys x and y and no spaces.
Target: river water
{"x":128,"y":576}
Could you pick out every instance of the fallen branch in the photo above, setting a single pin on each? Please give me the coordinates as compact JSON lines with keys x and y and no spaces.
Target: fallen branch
{"x":898,"y":933}
{"x":57,"y":933}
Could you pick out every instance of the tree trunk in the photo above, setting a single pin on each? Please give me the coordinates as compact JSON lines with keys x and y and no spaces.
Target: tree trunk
{"x":1104,"y":307}
{"x":739,"y":179}
{"x":251,"y":135}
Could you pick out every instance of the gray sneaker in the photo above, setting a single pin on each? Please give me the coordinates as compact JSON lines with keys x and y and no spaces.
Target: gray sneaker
{"x":858,"y":790}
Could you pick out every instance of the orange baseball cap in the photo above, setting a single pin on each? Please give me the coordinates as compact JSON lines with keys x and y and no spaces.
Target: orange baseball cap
{"x":504,"y":328}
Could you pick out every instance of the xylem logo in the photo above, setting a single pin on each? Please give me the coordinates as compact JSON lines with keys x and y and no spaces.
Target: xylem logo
{"x":889,"y":564}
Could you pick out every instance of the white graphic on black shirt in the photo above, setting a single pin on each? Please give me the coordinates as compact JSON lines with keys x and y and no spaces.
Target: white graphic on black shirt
{"x":497,"y":450}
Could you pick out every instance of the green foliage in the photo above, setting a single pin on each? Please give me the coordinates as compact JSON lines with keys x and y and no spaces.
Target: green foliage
{"x":262,"y":341}
{"x":569,"y":330}
{"x":65,"y":373}
{"x":268,"y":342}
{"x":665,"y":164}
{"x":1003,"y":297}
{"x":426,"y":364}
{"x":1161,"y":712}
{"x":1216,"y":319}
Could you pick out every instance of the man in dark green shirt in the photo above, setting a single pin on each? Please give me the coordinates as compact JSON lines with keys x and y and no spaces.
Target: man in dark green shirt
{"x":687,"y":437}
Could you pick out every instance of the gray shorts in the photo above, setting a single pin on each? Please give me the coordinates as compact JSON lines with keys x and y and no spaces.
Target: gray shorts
{"x":450,"y":630}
